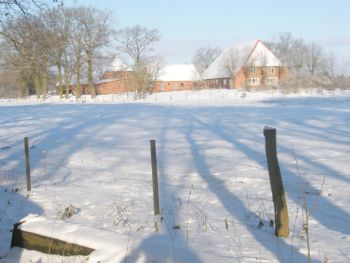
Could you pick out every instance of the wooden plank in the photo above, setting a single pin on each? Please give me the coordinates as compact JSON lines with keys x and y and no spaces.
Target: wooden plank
{"x":44,"y":244}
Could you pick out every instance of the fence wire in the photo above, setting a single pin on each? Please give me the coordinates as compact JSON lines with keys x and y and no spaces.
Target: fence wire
{"x":186,"y":187}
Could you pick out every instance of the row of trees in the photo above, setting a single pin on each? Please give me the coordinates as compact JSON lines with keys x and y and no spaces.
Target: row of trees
{"x":64,"y":45}
{"x":44,"y":44}
{"x":11,"y":8}
{"x":309,"y":63}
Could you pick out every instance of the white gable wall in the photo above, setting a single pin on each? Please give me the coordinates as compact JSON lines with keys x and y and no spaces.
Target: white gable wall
{"x":263,"y":57}
{"x":253,"y":53}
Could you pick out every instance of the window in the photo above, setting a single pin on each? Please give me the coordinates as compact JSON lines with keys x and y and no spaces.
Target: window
{"x":271,"y":81}
{"x":161,"y":87}
{"x":272,"y":70}
{"x":252,"y":70}
{"x":253,"y":81}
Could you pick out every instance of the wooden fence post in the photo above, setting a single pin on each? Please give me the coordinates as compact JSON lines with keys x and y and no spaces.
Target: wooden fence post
{"x":154,"y":177}
{"x":27,"y":163}
{"x":278,"y":194}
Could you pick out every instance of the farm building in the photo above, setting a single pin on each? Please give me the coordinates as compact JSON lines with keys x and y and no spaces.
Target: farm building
{"x":250,"y":64}
{"x":117,"y":79}
{"x":113,"y":81}
{"x":176,"y":77}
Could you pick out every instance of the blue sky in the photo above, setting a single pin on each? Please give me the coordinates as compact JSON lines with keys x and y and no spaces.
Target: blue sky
{"x":186,"y":25}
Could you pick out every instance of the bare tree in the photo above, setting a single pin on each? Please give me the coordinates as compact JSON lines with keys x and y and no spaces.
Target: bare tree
{"x":24,"y":50}
{"x":15,"y":8}
{"x":96,"y":35}
{"x":283,"y":46}
{"x":8,"y":87}
{"x":76,"y":43}
{"x":314,"y":58}
{"x":308,"y":62}
{"x":232,"y":62}
{"x":204,"y":57}
{"x":57,"y":36}
{"x":136,"y":42}
{"x":57,"y":22}
{"x":235,"y":58}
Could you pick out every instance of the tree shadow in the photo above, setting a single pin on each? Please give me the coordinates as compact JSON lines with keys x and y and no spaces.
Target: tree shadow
{"x":237,"y":208}
{"x":323,"y":216}
{"x":168,"y":245}
{"x":82,"y":131}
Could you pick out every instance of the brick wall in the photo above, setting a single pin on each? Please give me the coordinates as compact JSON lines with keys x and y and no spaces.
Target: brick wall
{"x":174,"y":85}
{"x":218,"y":83}
{"x":265,"y":76}
{"x":239,"y":81}
{"x":111,"y":87}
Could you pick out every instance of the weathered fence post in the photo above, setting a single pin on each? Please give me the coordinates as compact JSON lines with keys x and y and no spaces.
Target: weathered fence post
{"x":154,"y":177}
{"x":27,"y":162}
{"x":278,"y":194}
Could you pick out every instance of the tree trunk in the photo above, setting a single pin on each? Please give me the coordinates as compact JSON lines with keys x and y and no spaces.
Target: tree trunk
{"x":90,"y":74}
{"x":38,"y":85}
{"x":77,"y":72}
{"x":66,"y":82}
{"x":59,"y":79}
{"x":44,"y":84}
{"x":23,"y":91}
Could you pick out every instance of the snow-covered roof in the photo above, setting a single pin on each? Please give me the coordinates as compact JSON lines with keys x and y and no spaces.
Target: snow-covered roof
{"x":119,"y":65}
{"x":179,"y":72}
{"x":229,"y":62}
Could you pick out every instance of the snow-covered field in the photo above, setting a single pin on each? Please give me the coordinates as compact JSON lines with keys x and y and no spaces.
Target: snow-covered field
{"x":214,"y":186}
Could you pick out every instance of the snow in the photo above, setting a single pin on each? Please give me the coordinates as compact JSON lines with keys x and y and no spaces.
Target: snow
{"x":179,"y":72}
{"x":253,"y":53}
{"x":214,"y":186}
{"x":119,"y":65}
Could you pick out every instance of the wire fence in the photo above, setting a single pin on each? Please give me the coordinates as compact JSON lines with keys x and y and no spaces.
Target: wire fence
{"x":47,"y":162}
{"x":193,"y":185}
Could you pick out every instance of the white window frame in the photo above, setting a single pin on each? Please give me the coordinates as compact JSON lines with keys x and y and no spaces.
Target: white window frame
{"x":254,"y":81}
{"x":272,"y":70}
{"x":161,"y":87}
{"x":252,"y":70}
{"x":272,"y":81}
{"x":176,"y":87}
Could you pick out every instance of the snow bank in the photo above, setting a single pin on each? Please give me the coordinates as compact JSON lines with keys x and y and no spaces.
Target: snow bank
{"x":180,"y":96}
